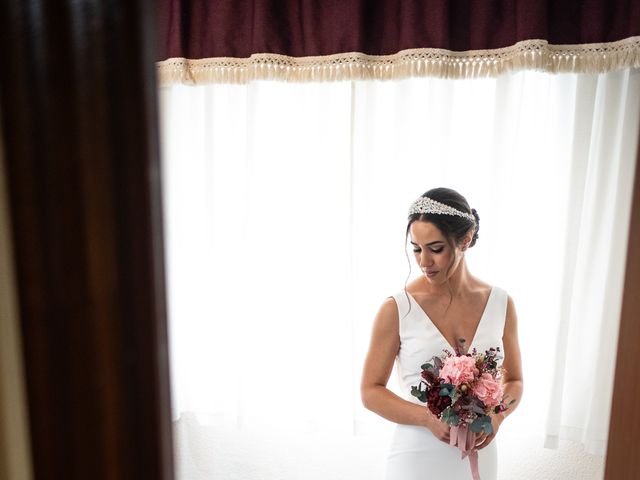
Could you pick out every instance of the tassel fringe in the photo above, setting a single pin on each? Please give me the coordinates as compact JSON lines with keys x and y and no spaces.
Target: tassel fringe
{"x":420,"y":62}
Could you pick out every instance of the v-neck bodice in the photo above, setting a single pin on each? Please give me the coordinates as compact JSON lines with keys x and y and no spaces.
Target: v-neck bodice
{"x":420,"y":339}
{"x":431,"y":323}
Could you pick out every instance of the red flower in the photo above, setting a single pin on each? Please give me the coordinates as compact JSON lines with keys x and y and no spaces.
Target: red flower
{"x":435,"y":402}
{"x":429,"y":377}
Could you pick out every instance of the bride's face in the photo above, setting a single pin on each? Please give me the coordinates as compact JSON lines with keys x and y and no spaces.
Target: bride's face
{"x":432,"y":252}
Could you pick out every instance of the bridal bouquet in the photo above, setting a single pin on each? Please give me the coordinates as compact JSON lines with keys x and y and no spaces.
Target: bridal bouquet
{"x":462,"y":390}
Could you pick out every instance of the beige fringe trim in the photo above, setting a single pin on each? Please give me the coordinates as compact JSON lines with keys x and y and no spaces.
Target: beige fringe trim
{"x":419,"y":62}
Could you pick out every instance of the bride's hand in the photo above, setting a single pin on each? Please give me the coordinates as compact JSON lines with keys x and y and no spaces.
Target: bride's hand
{"x":482,"y":439}
{"x":439,"y":429}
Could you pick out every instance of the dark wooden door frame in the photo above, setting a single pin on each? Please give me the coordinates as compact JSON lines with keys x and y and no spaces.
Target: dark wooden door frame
{"x":623,"y":460}
{"x":78,"y":99}
{"x":77,"y":92}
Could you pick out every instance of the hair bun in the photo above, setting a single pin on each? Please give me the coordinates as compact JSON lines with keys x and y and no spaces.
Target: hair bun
{"x":474,"y":212}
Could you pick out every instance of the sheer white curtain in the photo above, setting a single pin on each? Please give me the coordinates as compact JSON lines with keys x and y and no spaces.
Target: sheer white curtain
{"x":285,"y":209}
{"x":598,"y":209}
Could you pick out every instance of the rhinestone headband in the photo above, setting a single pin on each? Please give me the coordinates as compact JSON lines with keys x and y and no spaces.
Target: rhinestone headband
{"x":428,"y":205}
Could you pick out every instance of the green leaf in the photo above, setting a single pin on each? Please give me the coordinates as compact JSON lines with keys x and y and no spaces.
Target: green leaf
{"x":419,"y":394}
{"x":482,"y":423}
{"x":450,"y":417}
{"x":476,"y":407}
{"x":427,"y":366}
{"x":447,"y":390}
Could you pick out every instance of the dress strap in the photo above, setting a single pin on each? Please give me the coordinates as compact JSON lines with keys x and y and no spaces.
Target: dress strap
{"x":403,"y":305}
{"x":497,"y":311}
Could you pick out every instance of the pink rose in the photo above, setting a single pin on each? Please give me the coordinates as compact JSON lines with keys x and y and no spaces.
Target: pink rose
{"x":458,"y":370}
{"x":488,"y":389}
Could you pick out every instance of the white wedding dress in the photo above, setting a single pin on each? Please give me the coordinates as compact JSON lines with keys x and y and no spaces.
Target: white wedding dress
{"x":415,"y":454}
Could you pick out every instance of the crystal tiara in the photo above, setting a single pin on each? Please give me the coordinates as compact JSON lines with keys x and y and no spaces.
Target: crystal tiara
{"x":428,"y":205}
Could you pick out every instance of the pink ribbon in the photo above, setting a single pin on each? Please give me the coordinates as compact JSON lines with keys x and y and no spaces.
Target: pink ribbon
{"x":463,"y":438}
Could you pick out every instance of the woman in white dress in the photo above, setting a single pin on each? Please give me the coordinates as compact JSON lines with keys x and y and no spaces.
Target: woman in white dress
{"x":443,"y":305}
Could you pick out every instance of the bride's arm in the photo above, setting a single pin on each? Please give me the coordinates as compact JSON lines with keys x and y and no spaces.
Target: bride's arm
{"x":512,"y":380}
{"x":383,"y":347}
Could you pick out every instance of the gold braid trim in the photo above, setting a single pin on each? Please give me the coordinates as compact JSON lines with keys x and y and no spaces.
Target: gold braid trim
{"x":418,"y":62}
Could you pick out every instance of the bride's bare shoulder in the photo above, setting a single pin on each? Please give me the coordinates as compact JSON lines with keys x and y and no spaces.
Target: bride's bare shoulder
{"x":481,"y":286}
{"x":413,"y":287}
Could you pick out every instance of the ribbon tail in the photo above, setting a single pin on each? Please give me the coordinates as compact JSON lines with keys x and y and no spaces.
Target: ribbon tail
{"x":463,"y":434}
{"x":470,"y":441}
{"x":464,"y":439}
{"x":453,"y":436}
{"x":473,"y":462}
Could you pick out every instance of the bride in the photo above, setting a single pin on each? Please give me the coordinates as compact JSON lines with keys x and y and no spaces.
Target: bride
{"x":445,"y":304}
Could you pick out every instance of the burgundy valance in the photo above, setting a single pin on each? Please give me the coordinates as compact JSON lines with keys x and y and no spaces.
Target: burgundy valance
{"x":237,"y":40}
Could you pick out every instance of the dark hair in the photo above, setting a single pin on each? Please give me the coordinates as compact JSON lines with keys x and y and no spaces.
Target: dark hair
{"x":452,"y":227}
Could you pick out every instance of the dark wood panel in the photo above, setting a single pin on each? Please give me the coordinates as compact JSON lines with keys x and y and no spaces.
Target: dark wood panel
{"x":78,"y":100}
{"x":623,"y":460}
